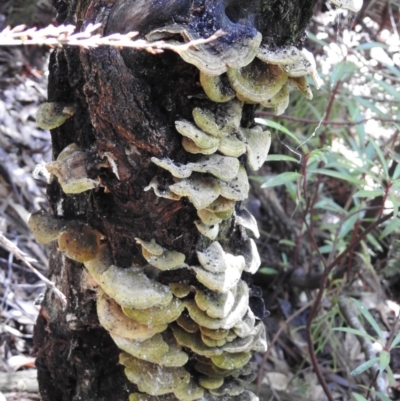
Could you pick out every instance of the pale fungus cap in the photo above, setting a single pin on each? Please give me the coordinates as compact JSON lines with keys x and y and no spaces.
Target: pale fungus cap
{"x":305,"y":65}
{"x":301,"y":84}
{"x":206,"y":57}
{"x":280,"y":56}
{"x":251,"y":256}
{"x":220,"y":282}
{"x":70,"y":170}
{"x":221,"y":122}
{"x":244,"y":218}
{"x":231,"y":361}
{"x":156,"y":315}
{"x":245,"y":326}
{"x":160,"y":257}
{"x":235,"y":314}
{"x":209,"y":231}
{"x":46,"y":228}
{"x":194,"y":342}
{"x":54,"y":114}
{"x":154,"y":379}
{"x":258,"y":143}
{"x":352,"y":5}
{"x":154,"y":350}
{"x":201,"y":191}
{"x":200,"y":138}
{"x":225,"y":168}
{"x":190,"y":392}
{"x":131,"y":288}
{"x":208,"y":218}
{"x":215,"y":305}
{"x":216,"y":89}
{"x":116,"y":322}
{"x":230,"y":387}
{"x":162,"y":192}
{"x":257,"y":82}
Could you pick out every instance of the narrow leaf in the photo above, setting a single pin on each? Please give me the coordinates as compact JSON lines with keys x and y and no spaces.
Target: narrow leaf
{"x":382,"y":396}
{"x":281,"y":158}
{"x":364,"y":366}
{"x":368,"y":194}
{"x":278,"y":127}
{"x":269,"y":271}
{"x":281,"y":179}
{"x":395,"y":341}
{"x":355,"y":332}
{"x":384,"y":359}
{"x":358,"y":397}
{"x":365,"y":312}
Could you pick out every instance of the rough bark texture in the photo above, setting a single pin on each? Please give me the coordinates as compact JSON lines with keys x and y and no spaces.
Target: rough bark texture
{"x":127,"y":103}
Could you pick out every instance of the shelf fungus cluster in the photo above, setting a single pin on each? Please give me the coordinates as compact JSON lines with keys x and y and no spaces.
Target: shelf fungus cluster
{"x":184,"y":342}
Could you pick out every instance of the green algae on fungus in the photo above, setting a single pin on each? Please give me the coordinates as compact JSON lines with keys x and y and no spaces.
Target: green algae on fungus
{"x":257,"y":82}
{"x":116,"y":322}
{"x":46,"y":228}
{"x":80,"y":243}
{"x":156,"y":315}
{"x":152,"y":378}
{"x":160,"y":257}
{"x":154,"y":350}
{"x":215,"y":88}
{"x":131,"y":288}
{"x":220,"y":123}
{"x":54,"y":114}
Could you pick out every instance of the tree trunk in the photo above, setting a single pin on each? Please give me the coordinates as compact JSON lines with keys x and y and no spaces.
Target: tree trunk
{"x":127,"y":103}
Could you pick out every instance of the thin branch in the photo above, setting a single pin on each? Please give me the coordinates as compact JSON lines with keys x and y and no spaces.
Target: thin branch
{"x":11,"y":247}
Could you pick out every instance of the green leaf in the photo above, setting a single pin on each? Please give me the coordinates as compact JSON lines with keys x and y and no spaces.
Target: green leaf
{"x":287,"y":242}
{"x":396,"y":173}
{"x":367,"y":315}
{"x":381,"y":158}
{"x":279,"y":127}
{"x":281,"y":158}
{"x":355,"y":332}
{"x":364,"y":366}
{"x":382,"y":396}
{"x":358,"y":397}
{"x":313,"y":38}
{"x":269,"y":271}
{"x":388,"y":88}
{"x":370,"y":105}
{"x":393,"y":225}
{"x":391,"y":378}
{"x":395,"y":341}
{"x":343,"y":71}
{"x":370,"y":45}
{"x":281,"y":179}
{"x":384,"y":359}
{"x":364,"y":193}
{"x":342,"y":176}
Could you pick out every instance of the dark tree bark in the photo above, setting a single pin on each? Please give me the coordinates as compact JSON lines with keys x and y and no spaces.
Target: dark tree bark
{"x":127,"y":102}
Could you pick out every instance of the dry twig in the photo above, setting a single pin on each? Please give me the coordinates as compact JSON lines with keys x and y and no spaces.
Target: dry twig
{"x":8,"y":245}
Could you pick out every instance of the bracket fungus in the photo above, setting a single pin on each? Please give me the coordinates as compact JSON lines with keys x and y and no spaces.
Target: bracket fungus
{"x":54,"y":114}
{"x":70,"y":168}
{"x":160,"y":257}
{"x":168,"y":333}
